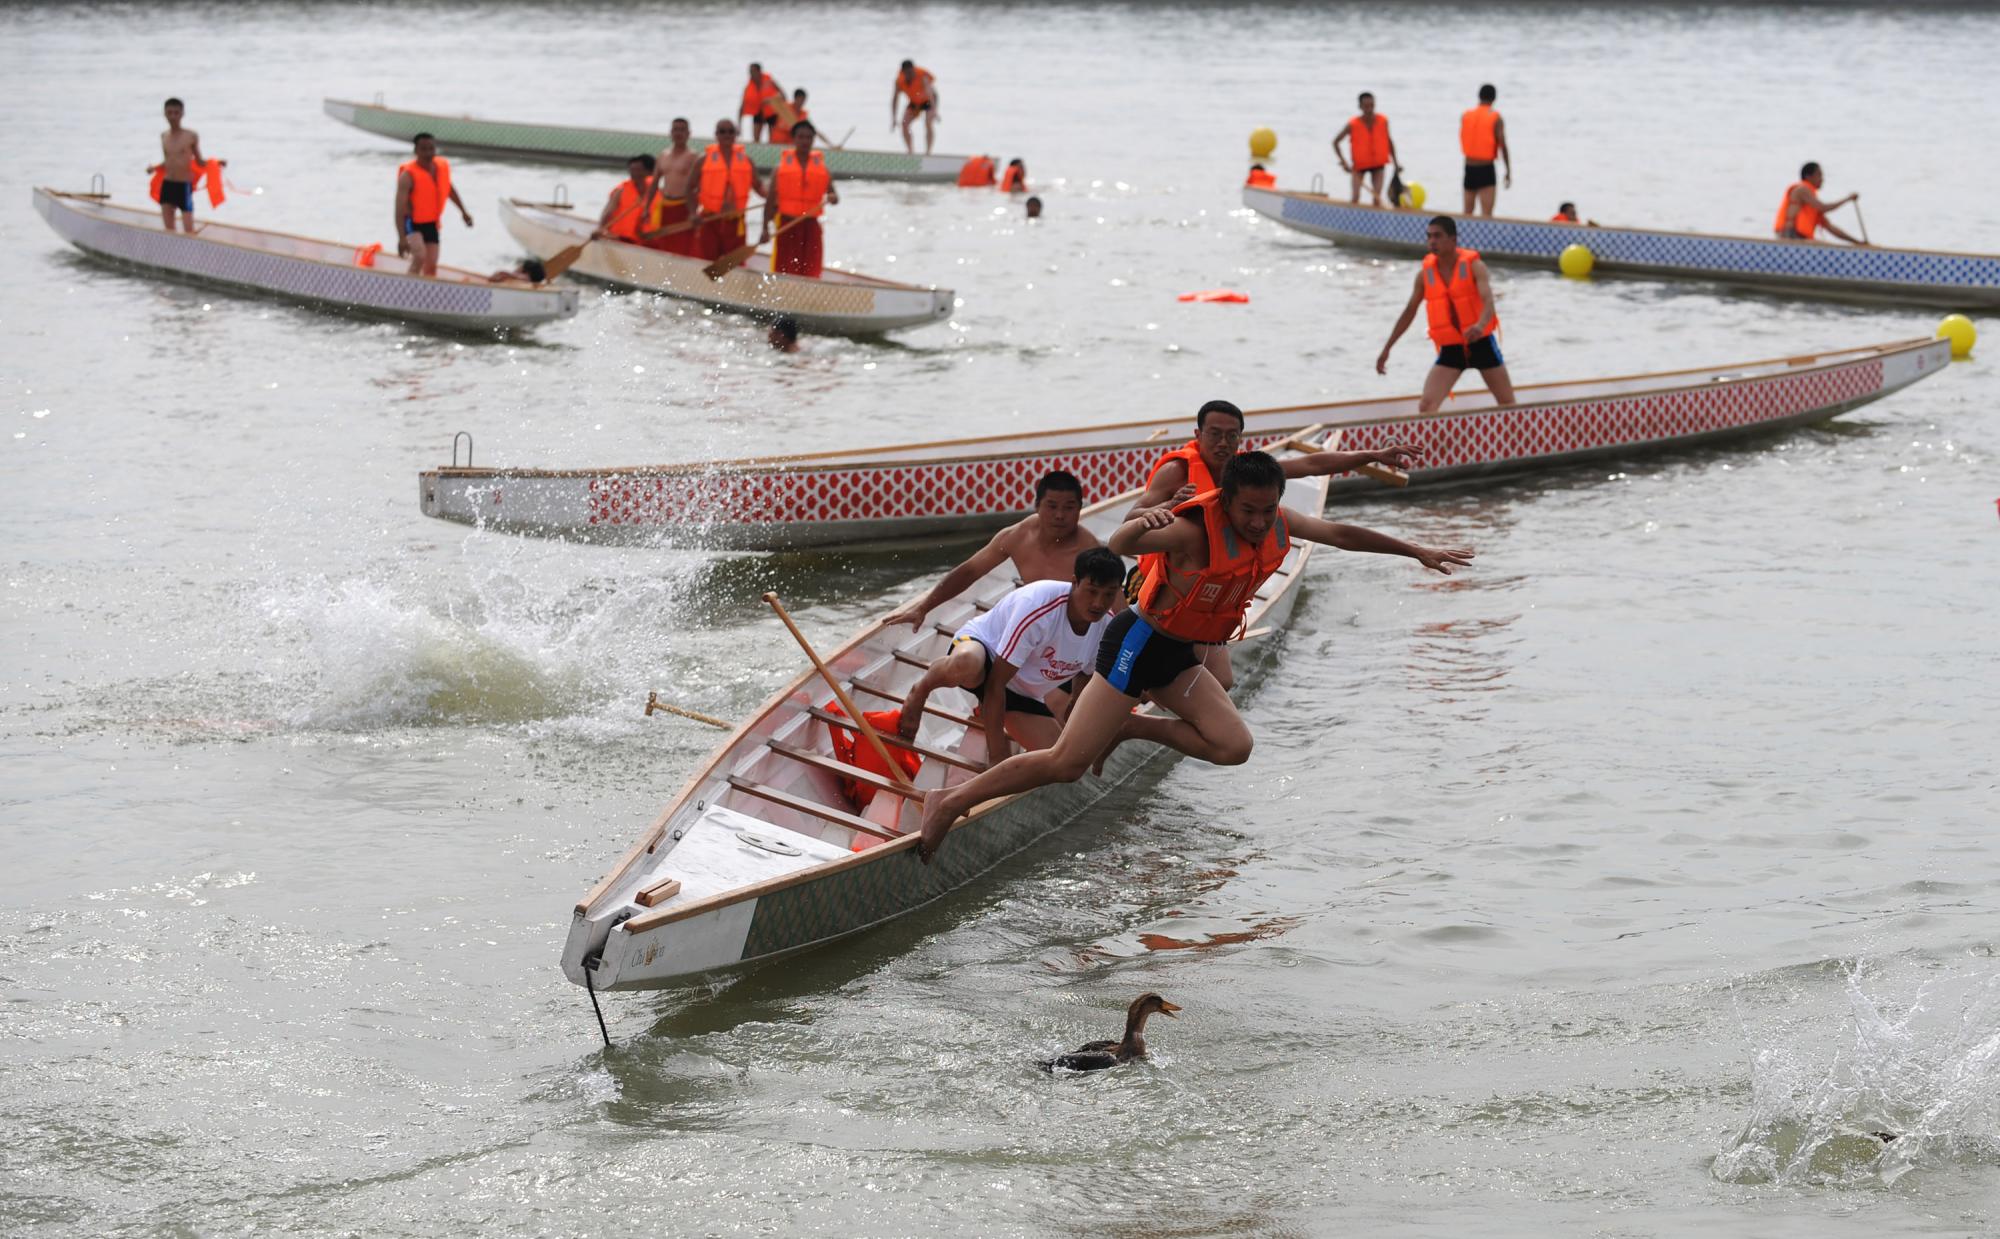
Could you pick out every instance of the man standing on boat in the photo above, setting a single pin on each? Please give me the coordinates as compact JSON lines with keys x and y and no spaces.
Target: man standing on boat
{"x":1208,"y":557}
{"x":1481,"y":136}
{"x":1027,"y":658}
{"x":1374,"y":150}
{"x":630,"y":204}
{"x":800,"y":189}
{"x":757,"y":96}
{"x":1457,"y":297}
{"x":181,"y":165}
{"x":423,"y":186}
{"x":727,"y":181}
{"x":1801,"y":214}
{"x":674,"y":183}
{"x":1043,"y":545}
{"x":915,"y":83}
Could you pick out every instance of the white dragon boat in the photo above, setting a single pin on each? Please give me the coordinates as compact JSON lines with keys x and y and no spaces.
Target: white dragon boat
{"x":837,"y":303}
{"x":326,"y":274}
{"x":930,"y":492}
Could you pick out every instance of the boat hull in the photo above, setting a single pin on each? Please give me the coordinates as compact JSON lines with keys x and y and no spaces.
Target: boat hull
{"x":839,"y":303}
{"x":1788,"y":268}
{"x":940,"y":492}
{"x":611,"y":148}
{"x":310,"y":277}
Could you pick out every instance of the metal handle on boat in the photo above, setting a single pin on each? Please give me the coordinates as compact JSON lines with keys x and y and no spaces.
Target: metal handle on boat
{"x":559,"y":200}
{"x":1319,"y":183}
{"x":97,"y":187}
{"x":467,"y":436}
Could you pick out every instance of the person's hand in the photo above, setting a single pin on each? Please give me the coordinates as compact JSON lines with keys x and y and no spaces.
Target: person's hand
{"x":1508,"y":180}
{"x":152,"y":168}
{"x":466,"y":216}
{"x":1443,"y":559}
{"x":597,"y":234}
{"x":833,"y":196}
{"x":403,"y":247}
{"x":1398,"y":455}
{"x":1182,"y":495}
{"x":1382,"y":362}
{"x":1155,"y":518}
{"x":1471,"y":334}
{"x":911,"y":614}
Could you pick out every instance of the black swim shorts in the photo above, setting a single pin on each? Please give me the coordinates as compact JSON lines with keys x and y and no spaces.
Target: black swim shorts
{"x":429,"y":232}
{"x":1135,"y":659}
{"x":177,"y":194}
{"x":1485,"y":355}
{"x":1481,"y":176}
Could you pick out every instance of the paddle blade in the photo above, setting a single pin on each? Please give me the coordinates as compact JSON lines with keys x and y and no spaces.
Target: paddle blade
{"x":563,"y":260}
{"x":1385,"y":474}
{"x":729,"y":262}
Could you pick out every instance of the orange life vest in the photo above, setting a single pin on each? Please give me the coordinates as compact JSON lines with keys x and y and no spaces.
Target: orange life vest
{"x":428,"y":193}
{"x":212,"y":170}
{"x":800,"y":190}
{"x":1478,"y":134}
{"x":1198,"y":475}
{"x":755,"y":97}
{"x":719,"y":179}
{"x":852,"y":748}
{"x":1013,"y":179}
{"x":780,"y":131}
{"x":977,"y":172}
{"x":1806,"y":223}
{"x":1561,"y":219}
{"x":364,"y":255}
{"x":912,"y":85}
{"x":1460,"y":297}
{"x":633,"y":207}
{"x":1369,"y":147}
{"x":1260,"y":179}
{"x":1210,"y":604}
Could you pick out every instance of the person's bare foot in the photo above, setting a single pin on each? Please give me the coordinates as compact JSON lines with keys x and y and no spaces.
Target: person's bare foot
{"x":937,"y":819}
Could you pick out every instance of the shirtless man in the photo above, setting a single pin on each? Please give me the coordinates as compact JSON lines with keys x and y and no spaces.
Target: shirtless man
{"x":677,"y":170}
{"x":1043,"y":546}
{"x":423,"y":186}
{"x":1187,"y":600}
{"x":1027,"y":658}
{"x":916,"y":84}
{"x":180,"y":157}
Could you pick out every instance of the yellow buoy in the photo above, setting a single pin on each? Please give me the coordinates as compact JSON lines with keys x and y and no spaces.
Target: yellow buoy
{"x":1413,"y":196}
{"x":1262,"y":142}
{"x":1576,"y":261}
{"x":1959,"y":330}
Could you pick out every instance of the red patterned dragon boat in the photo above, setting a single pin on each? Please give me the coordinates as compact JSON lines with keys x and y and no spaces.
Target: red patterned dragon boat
{"x":963,"y":488}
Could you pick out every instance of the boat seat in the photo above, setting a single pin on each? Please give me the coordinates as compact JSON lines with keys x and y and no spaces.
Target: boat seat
{"x":963,"y":720}
{"x":894,"y":741}
{"x":811,"y":808}
{"x":834,"y":766}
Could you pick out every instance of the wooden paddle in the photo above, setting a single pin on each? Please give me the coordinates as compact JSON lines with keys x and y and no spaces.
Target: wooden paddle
{"x":1384,"y":474}
{"x":653,"y":704}
{"x":566,"y":258}
{"x":1860,"y":219}
{"x":908,"y":789}
{"x":741,"y":254}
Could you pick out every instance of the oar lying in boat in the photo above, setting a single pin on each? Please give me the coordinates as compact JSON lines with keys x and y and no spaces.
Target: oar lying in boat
{"x":741,"y":254}
{"x":908,"y":789}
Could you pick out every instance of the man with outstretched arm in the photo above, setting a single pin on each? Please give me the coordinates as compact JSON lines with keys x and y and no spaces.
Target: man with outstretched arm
{"x":1026,"y":659}
{"x":1210,"y":556}
{"x":1457,"y":297}
{"x":1194,"y":466}
{"x":1043,"y":546}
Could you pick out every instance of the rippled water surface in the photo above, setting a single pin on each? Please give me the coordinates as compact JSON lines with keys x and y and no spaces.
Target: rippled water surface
{"x":1625,"y":885}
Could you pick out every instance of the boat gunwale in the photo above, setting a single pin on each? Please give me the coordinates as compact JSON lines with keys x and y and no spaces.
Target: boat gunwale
{"x":472,"y":279}
{"x":844,"y":458}
{"x":1599,"y":228}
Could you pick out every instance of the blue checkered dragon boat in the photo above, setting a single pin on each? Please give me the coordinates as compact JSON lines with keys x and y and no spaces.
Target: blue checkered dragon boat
{"x":1791,"y":268}
{"x":763,"y":853}
{"x":325,"y":274}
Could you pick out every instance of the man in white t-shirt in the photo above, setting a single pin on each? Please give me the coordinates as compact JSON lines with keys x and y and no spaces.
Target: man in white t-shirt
{"x":1027,"y":657}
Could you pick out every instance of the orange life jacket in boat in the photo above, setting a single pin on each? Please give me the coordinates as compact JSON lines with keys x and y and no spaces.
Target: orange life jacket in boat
{"x":720,"y":179}
{"x":428,"y":193}
{"x":1208,"y":606}
{"x":1806,"y":223}
{"x":1460,"y":297}
{"x":1369,"y":147}
{"x":977,"y":172}
{"x":800,"y":190}
{"x":851,"y":747}
{"x":1260,"y":179}
{"x":364,"y":255}
{"x":1478,"y":134}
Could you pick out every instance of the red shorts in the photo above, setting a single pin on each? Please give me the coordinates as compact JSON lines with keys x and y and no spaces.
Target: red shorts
{"x":799,"y":249}
{"x":717,"y":237}
{"x":673,"y":211}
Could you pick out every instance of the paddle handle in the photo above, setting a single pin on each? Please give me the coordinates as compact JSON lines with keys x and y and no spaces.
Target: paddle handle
{"x":654,"y":704}
{"x":846,"y":703}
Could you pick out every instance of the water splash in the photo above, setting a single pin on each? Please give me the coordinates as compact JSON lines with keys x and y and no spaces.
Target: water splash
{"x":1909,"y":1089}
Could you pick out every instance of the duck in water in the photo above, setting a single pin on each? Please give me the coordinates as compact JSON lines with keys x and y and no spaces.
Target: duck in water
{"x":1097,"y":1055}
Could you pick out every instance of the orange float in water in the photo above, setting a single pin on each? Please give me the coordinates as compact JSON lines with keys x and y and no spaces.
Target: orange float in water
{"x":1228,"y":295}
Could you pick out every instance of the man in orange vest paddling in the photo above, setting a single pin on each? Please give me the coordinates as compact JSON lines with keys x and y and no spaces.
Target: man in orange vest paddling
{"x":1481,"y":136}
{"x":800,"y":189}
{"x":674,"y":183}
{"x":757,"y":95}
{"x":727,"y":181}
{"x":1207,"y":559}
{"x":181,"y":165}
{"x":920,"y":88}
{"x":423,"y":186}
{"x":1457,"y":297}
{"x":1374,"y":150}
{"x":1801,"y":214}
{"x":630,"y":205}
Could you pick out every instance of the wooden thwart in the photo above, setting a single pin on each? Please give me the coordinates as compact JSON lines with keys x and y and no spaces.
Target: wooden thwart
{"x":810,"y":808}
{"x":833,"y":765}
{"x":922,"y":750}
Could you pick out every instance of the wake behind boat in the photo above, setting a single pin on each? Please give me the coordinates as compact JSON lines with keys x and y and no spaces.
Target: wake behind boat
{"x":837,"y":302}
{"x":571,"y":144}
{"x":763,"y":853}
{"x":1791,"y":267}
{"x":888,"y":496}
{"x":319,"y":273}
